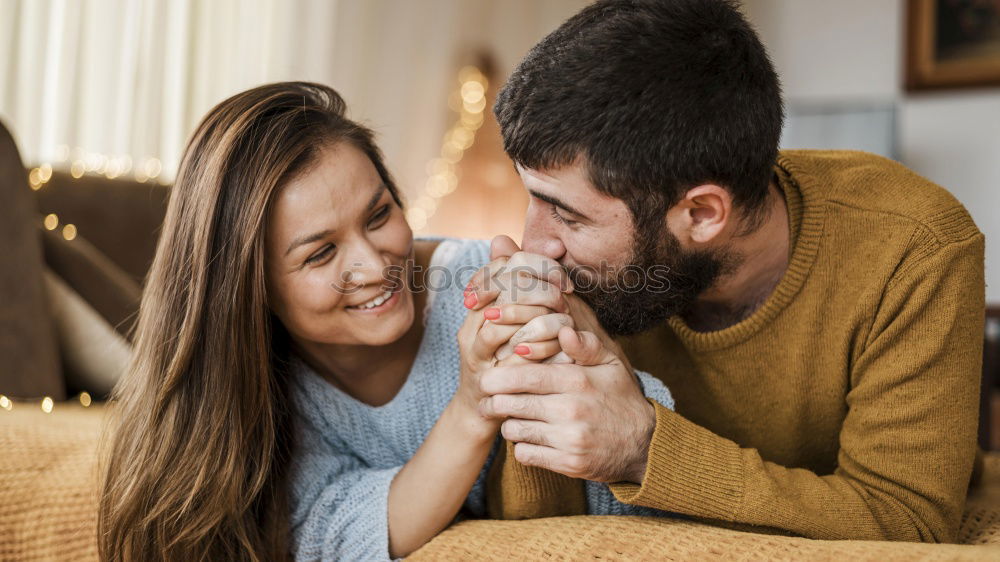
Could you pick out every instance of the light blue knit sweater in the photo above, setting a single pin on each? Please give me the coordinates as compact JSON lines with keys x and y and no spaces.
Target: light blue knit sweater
{"x":348,"y":452}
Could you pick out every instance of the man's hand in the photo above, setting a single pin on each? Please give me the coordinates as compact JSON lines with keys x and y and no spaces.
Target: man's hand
{"x":585,"y":420}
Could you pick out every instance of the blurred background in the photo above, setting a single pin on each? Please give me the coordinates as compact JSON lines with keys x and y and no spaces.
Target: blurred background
{"x":101,"y":95}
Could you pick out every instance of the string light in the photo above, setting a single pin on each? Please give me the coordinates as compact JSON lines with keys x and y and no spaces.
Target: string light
{"x":469,"y":101}
{"x":80,"y":162}
{"x":35,"y":179}
{"x":83,"y":162}
{"x":47,"y":404}
{"x":51,"y":221}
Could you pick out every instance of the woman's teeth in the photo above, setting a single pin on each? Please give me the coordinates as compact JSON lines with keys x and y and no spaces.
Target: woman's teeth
{"x":377,"y":301}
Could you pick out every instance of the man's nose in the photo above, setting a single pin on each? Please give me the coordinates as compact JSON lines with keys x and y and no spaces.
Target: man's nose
{"x":538,"y":238}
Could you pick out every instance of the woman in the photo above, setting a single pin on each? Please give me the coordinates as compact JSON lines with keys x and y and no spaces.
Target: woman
{"x":284,"y":397}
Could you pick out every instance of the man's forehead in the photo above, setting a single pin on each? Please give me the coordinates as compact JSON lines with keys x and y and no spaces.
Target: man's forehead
{"x":569,"y":183}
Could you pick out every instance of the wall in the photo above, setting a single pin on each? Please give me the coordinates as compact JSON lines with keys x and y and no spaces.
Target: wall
{"x":134,"y":77}
{"x":852,"y":50}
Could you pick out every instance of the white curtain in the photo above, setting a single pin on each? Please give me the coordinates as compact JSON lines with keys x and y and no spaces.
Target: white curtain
{"x":90,"y":80}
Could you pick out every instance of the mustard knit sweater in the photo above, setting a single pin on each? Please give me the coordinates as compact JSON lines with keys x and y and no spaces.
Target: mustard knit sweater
{"x":846,"y":406}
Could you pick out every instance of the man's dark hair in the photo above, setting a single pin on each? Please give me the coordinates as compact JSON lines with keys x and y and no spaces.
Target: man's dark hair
{"x":658,"y":96}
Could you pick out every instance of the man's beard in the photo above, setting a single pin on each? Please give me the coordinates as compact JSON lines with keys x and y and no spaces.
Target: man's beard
{"x":660,"y":280}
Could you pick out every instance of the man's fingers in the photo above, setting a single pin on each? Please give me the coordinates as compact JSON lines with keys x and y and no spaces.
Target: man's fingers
{"x":542,"y":328}
{"x":584,"y":347}
{"x":541,"y":267}
{"x":534,"y":378}
{"x":551,"y":459}
{"x":522,"y":406}
{"x":559,"y":358}
{"x":503,"y":246}
{"x":569,"y":439}
{"x":527,"y":431}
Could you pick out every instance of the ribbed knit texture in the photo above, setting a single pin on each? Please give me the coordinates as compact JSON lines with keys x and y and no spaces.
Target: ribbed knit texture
{"x":48,"y":490}
{"x":846,"y":406}
{"x":348,"y":452}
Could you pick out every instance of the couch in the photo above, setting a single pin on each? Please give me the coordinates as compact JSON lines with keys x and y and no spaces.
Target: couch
{"x":48,"y":493}
{"x":48,"y":460}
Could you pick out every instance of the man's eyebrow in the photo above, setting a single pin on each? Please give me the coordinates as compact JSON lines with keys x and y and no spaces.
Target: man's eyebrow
{"x":557,"y":202}
{"x":322,"y":234}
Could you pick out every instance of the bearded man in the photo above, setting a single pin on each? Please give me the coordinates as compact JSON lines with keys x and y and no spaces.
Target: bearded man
{"x":817,"y":315}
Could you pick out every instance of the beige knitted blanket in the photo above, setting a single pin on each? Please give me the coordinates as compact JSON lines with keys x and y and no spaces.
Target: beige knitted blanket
{"x":48,"y":499}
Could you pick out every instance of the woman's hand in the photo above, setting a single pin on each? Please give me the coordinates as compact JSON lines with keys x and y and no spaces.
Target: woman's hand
{"x":487,"y":333}
{"x":537,"y":340}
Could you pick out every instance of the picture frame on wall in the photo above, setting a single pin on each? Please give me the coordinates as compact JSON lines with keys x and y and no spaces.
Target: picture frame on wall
{"x":952,"y":44}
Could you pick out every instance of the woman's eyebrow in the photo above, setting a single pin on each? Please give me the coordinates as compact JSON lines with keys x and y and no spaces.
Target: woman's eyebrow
{"x":375,"y":197}
{"x":322,"y":234}
{"x":307,"y":239}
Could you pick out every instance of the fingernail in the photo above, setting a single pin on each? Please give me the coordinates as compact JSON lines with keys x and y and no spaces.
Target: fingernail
{"x":471,"y":300}
{"x":468,"y":290}
{"x":522,"y":350}
{"x":491,"y":313}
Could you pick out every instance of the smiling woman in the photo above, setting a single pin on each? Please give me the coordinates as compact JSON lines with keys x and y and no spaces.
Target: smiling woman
{"x":279,"y":201}
{"x":209,"y":349}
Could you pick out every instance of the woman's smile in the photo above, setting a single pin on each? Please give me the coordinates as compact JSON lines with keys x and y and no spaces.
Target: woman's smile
{"x":383,"y":302}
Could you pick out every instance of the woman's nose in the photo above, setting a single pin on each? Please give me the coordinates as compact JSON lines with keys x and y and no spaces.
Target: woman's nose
{"x":364,"y":264}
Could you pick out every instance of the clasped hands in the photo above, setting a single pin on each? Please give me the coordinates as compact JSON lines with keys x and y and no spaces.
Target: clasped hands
{"x":536,"y":361}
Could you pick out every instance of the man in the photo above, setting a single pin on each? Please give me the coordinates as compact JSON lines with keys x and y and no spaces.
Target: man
{"x":820,"y":320}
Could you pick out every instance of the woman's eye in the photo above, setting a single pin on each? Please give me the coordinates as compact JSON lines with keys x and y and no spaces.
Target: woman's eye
{"x":326,"y":251}
{"x":379,"y":217}
{"x":560,"y":218}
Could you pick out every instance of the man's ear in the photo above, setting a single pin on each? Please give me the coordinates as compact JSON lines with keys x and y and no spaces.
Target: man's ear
{"x":702,"y":215}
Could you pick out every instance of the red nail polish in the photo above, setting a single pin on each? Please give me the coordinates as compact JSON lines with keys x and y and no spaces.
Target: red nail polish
{"x":492,"y":313}
{"x":471,"y":301}
{"x":468,"y":290}
{"x":521,"y":350}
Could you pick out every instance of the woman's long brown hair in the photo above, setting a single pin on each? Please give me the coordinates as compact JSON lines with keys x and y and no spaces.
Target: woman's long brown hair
{"x":200,"y":438}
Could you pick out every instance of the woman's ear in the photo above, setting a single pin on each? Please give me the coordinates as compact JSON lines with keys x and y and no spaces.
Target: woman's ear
{"x":702,"y":215}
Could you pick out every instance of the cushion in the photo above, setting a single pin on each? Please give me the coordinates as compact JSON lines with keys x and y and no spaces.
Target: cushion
{"x":30,"y":356}
{"x":94,"y":354}
{"x":104,"y":286}
{"x":119,"y":217}
{"x":48,"y":493}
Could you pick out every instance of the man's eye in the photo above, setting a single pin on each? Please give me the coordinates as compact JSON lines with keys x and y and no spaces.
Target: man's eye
{"x":379,"y":218}
{"x":326,"y":251}
{"x":560,"y":218}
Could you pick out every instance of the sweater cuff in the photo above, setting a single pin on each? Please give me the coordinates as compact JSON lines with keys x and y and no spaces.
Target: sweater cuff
{"x":518,"y":491}
{"x":689,"y":470}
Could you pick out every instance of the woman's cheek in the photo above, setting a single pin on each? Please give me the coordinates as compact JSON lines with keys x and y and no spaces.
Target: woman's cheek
{"x":398,"y":234}
{"x":325,"y":289}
